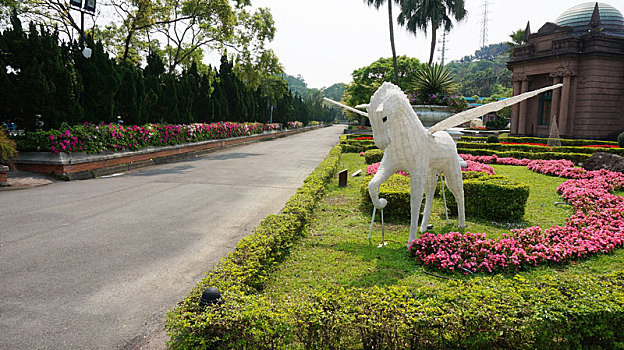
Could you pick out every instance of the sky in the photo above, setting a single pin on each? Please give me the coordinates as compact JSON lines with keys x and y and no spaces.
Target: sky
{"x":324,"y":41}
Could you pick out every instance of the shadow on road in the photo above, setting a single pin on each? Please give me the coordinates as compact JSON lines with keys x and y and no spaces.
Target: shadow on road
{"x":159,"y":171}
{"x":228,"y":156}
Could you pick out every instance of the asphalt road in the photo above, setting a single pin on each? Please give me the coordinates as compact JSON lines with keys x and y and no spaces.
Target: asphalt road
{"x":95,"y":264}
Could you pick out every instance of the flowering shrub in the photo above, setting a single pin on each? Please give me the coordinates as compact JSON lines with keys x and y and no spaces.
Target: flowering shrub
{"x":372,"y":170}
{"x":602,"y":146}
{"x":454,"y":102}
{"x":480,"y":167}
{"x":364,"y":138}
{"x":274,"y":126}
{"x":92,"y":138}
{"x":596,"y":227}
{"x":295,"y":125}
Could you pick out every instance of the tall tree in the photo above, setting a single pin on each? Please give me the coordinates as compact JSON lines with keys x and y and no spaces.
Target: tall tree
{"x":417,"y":15}
{"x":377,"y":4}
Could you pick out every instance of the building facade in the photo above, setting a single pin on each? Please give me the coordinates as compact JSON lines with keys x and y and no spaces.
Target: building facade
{"x":583,"y":50}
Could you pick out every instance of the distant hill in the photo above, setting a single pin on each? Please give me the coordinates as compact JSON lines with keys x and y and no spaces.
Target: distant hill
{"x":300,"y":87}
{"x":483,"y":74}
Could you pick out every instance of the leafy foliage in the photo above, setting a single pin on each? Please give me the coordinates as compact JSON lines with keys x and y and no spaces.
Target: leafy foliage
{"x":418,"y":15}
{"x":433,"y":80}
{"x":8,"y":149}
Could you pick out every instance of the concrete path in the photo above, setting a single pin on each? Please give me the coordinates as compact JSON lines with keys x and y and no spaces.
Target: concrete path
{"x":95,"y":264}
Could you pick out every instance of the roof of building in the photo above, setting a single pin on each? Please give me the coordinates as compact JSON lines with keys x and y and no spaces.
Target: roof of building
{"x":579,"y":17}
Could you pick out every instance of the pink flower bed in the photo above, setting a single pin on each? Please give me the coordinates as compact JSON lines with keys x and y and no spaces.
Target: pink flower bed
{"x":597,"y":226}
{"x":476,"y":166}
{"x":372,"y":170}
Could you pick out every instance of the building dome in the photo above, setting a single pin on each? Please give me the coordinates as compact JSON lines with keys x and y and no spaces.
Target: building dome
{"x":579,"y":16}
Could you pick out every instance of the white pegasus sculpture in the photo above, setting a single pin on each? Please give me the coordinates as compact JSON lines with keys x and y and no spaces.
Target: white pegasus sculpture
{"x":408,"y":146}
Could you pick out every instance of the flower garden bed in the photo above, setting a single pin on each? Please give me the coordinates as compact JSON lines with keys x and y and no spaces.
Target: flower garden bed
{"x":95,"y":150}
{"x":597,"y":226}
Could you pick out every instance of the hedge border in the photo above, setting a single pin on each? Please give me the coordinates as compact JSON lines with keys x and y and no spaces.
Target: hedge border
{"x":244,"y":271}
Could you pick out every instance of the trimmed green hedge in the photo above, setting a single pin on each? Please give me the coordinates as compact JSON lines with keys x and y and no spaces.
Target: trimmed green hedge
{"x":244,"y":271}
{"x":482,"y":313}
{"x":574,"y":157}
{"x":373,"y":156}
{"x":492,"y":197}
{"x":355,"y":136}
{"x":564,"y":142}
{"x":396,"y":190}
{"x":349,"y":145}
{"x":539,"y":149}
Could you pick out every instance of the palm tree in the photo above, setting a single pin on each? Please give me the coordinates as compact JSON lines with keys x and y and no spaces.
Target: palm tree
{"x":418,"y":14}
{"x":378,"y":4}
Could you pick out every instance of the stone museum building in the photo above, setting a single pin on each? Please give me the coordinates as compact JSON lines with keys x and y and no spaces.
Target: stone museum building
{"x":584,"y":50}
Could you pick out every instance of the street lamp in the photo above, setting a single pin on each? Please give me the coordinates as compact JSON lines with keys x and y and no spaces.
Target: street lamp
{"x":89,"y":7}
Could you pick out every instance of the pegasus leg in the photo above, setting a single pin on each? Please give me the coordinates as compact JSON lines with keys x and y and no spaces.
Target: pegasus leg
{"x":430,"y":187}
{"x":455,"y":184}
{"x":417,"y":185}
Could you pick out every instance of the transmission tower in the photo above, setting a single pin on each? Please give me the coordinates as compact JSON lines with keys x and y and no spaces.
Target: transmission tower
{"x":484,"y":24}
{"x":442,"y":50}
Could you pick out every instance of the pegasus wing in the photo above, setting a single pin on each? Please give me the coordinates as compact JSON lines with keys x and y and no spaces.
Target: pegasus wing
{"x":364,"y":114}
{"x":473,"y":113}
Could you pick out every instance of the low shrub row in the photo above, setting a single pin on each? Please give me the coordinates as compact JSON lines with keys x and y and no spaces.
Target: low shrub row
{"x":373,"y":156}
{"x":538,"y":149}
{"x":564,"y":142}
{"x":244,"y":271}
{"x":352,"y":145}
{"x":483,"y":313}
{"x":490,"y":197}
{"x":356,"y":136}
{"x":577,"y":158}
{"x":92,"y":138}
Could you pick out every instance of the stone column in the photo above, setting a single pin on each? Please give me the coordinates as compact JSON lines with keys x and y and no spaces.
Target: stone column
{"x":556,"y":101}
{"x":522,"y":114}
{"x":565,"y":104}
{"x":514,"y":108}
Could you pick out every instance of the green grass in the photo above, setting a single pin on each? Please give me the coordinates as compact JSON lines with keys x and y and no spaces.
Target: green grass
{"x":336,"y":250}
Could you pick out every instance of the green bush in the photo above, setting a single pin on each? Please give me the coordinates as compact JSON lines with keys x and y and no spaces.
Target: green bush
{"x":620,"y":140}
{"x":355,"y":136}
{"x":498,"y":124}
{"x":8,"y":148}
{"x":396,"y":190}
{"x":482,"y":313}
{"x":564,"y":142}
{"x":576,"y":158}
{"x":373,"y":156}
{"x":492,"y":139}
{"x":492,"y":197}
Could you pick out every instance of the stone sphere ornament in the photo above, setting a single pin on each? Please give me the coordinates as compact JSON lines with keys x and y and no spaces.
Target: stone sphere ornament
{"x":425,"y":154}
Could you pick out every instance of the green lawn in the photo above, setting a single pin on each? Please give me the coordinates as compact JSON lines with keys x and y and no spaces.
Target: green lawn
{"x":336,"y":250}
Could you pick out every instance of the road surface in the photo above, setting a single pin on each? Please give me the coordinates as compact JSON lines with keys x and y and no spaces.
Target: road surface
{"x":95,"y":264}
